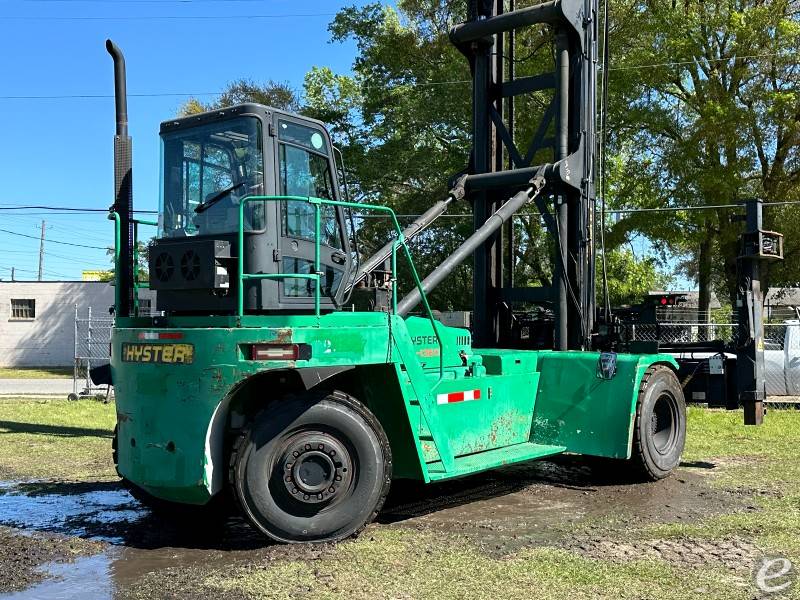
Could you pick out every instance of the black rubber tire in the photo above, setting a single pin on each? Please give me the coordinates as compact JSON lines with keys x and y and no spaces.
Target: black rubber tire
{"x":261,"y":464}
{"x":659,"y":430}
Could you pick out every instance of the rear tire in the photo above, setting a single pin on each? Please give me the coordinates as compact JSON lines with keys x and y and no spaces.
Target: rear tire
{"x":659,"y":430}
{"x":313,"y":468}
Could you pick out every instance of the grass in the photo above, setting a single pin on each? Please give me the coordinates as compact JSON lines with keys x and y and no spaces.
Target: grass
{"x":56,"y":439}
{"x":35,"y":372}
{"x":400,"y":563}
{"x":761,"y":464}
{"x":71,"y":440}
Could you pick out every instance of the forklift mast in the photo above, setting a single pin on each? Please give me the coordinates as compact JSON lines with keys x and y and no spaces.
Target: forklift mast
{"x":566,"y":131}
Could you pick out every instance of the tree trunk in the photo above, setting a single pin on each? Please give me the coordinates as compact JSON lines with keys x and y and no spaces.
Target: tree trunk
{"x":704,"y":280}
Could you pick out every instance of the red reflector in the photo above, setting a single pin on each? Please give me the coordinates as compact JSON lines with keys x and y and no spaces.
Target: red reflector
{"x":163,"y":335}
{"x":274,"y":352}
{"x":663,"y":301}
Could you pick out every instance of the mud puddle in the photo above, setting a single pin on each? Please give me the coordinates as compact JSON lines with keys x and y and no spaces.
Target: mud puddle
{"x":128,"y":540}
{"x":543,"y":503}
{"x":547,"y":502}
{"x":86,"y":578}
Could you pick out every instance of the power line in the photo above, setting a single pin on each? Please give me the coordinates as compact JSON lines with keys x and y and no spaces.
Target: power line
{"x":414,"y":84}
{"x":611,"y":211}
{"x":691,"y":62}
{"x":180,"y":94}
{"x":53,"y":241}
{"x":167,"y":17}
{"x":138,"y":1}
{"x":106,"y":96}
{"x":66,"y":209}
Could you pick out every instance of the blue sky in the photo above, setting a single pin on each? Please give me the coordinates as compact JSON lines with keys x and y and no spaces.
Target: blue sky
{"x":59,"y":151}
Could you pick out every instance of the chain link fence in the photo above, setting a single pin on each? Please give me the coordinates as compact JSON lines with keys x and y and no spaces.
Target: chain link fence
{"x":680,"y":325}
{"x":92,"y":349}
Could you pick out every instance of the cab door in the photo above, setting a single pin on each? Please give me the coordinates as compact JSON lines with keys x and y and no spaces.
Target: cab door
{"x":306,"y":168}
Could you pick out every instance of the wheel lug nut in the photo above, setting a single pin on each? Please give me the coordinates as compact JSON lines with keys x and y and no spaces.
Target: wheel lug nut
{"x":294,"y":490}
{"x":338,"y":478}
{"x":308,"y":446}
{"x":331,"y":489}
{"x":295,"y":454}
{"x":320,"y":496}
{"x":320,"y":447}
{"x":289,"y":479}
{"x":305,"y":496}
{"x":332,"y":453}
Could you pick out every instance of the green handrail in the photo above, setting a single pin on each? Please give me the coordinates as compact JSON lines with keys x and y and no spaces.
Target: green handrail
{"x":242,"y":276}
{"x":317,"y":202}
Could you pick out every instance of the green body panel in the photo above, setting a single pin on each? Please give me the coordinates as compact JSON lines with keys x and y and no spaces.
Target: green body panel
{"x":584,"y":413}
{"x":173,"y":418}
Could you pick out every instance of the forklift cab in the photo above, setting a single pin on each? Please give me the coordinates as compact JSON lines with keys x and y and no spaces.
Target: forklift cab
{"x":210,"y":164}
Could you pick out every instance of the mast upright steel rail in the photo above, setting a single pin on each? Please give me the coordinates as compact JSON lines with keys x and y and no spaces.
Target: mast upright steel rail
{"x":567,"y":128}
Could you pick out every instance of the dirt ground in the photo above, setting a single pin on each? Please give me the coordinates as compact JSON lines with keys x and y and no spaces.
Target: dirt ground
{"x":560,"y":528}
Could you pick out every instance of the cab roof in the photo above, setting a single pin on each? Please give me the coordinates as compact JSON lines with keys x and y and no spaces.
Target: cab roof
{"x":221,"y":114}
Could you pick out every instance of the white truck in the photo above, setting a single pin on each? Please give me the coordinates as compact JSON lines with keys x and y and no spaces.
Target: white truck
{"x":782,"y":359}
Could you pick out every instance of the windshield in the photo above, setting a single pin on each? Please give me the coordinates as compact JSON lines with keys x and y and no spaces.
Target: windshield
{"x":212,"y":167}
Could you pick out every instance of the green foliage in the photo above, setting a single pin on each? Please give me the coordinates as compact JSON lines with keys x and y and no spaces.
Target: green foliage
{"x":704,"y":111}
{"x":402,"y":138}
{"x":271,"y":93}
{"x":629,"y":278}
{"x":143,"y":262}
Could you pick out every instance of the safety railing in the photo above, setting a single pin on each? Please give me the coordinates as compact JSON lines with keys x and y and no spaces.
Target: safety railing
{"x":114,"y":216}
{"x":316,"y":277}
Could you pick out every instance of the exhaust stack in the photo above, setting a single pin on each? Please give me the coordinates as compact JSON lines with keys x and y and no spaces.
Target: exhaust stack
{"x":123,"y":185}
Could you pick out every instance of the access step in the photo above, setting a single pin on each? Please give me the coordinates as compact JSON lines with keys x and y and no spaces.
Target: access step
{"x":491,"y":459}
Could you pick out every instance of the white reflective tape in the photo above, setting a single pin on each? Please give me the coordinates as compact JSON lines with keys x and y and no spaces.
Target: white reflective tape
{"x":453,"y":397}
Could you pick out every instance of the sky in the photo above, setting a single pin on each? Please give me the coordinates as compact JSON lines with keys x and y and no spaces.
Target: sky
{"x":59,"y":151}
{"x":57,"y":107}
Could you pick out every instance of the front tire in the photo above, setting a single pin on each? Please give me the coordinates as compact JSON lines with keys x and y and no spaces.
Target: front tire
{"x":660,"y":427}
{"x":312,"y":468}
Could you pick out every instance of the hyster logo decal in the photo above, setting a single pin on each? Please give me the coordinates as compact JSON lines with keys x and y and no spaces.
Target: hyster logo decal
{"x":424,"y":340}
{"x":158,"y":353}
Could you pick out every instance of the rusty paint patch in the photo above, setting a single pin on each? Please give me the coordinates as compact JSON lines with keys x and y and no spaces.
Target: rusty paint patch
{"x":284,"y":336}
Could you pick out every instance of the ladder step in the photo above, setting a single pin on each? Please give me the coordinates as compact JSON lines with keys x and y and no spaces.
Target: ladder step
{"x":491,"y":459}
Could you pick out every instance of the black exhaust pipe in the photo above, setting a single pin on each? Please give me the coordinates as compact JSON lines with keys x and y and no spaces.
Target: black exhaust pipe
{"x":123,"y":184}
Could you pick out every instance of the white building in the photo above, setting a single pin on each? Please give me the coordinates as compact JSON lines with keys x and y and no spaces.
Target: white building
{"x":37,"y":318}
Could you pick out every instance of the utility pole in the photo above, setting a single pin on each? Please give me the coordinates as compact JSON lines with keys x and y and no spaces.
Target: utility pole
{"x":41,"y":252}
{"x":12,"y":273}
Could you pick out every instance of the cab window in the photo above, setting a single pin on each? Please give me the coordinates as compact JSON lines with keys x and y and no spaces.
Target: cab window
{"x":306,"y":172}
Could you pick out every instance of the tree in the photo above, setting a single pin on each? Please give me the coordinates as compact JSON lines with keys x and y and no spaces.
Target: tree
{"x":403,"y":120}
{"x":277,"y":95}
{"x":705,"y":112}
{"x":143,"y":255}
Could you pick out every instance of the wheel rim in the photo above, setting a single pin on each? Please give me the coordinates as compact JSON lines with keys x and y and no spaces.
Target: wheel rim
{"x":316,"y":470}
{"x":663,"y":431}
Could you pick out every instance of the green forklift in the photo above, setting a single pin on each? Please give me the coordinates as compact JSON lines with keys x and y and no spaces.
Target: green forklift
{"x":295,"y":377}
